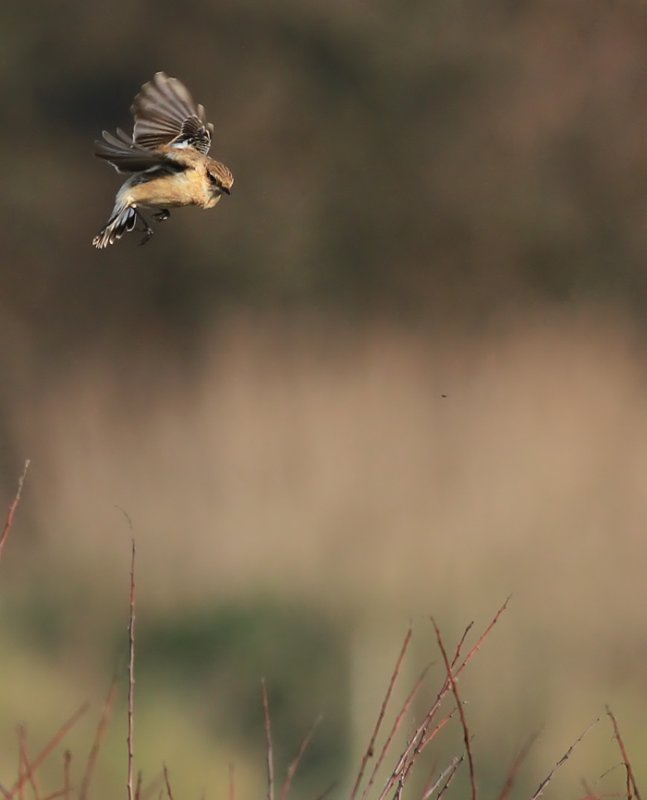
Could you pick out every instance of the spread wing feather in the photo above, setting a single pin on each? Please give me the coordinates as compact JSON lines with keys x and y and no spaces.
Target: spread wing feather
{"x":125,"y":156}
{"x":165,"y":114}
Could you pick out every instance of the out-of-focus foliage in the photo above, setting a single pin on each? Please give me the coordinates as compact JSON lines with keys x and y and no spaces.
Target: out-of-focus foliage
{"x":437,"y":164}
{"x":436,"y":159}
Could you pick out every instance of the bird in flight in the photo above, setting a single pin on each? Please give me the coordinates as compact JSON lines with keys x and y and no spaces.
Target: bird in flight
{"x":166,"y":158}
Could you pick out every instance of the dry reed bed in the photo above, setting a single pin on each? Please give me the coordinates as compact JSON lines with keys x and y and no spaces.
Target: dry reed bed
{"x":378,"y":750}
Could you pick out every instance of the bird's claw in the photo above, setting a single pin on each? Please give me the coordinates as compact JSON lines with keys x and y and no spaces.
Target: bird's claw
{"x":147,"y":235}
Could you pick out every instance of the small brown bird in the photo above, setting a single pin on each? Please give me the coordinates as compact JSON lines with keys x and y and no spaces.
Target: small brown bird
{"x":167,"y":156}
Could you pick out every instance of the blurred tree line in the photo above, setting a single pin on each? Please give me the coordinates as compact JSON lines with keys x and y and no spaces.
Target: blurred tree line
{"x":428,"y":160}
{"x":433,"y":162}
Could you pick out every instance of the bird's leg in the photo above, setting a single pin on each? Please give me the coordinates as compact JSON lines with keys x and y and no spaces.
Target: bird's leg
{"x":162,"y":214}
{"x":148,"y":231}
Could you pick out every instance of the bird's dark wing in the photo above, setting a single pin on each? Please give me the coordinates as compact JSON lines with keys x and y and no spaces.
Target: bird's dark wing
{"x":125,"y":156}
{"x":165,"y":114}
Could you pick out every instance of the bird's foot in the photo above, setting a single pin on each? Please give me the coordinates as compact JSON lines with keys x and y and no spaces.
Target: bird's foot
{"x":148,"y":232}
{"x":162,"y":215}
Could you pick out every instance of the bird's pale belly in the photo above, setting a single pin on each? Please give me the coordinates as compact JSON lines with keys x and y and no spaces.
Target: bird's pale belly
{"x":169,"y":191}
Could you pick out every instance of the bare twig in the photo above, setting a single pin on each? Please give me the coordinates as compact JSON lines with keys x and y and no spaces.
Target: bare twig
{"x":431,"y":787}
{"x":131,"y":673}
{"x":231,"y":794}
{"x":414,"y":744}
{"x":24,"y":758}
{"x":371,"y":745}
{"x":98,"y":739}
{"x":460,"y":644}
{"x":21,"y":793}
{"x":51,"y":745}
{"x":394,"y":729}
{"x":54,"y":795}
{"x":450,"y":778}
{"x":167,"y":782}
{"x":540,"y":789}
{"x":67,"y":763}
{"x":126,"y":515}
{"x":589,"y":794}
{"x":461,"y":712}
{"x":479,"y":642}
{"x":12,"y":508}
{"x":609,"y":771}
{"x":424,"y":740}
{"x":631,"y":780}
{"x":428,"y":737}
{"x":287,"y":784}
{"x":514,"y":769}
{"x":269,"y":750}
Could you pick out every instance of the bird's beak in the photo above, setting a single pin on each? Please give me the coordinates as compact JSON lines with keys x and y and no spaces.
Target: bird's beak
{"x":225,"y":190}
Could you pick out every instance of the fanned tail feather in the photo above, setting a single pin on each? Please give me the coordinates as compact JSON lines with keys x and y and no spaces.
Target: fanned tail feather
{"x":124,"y":219}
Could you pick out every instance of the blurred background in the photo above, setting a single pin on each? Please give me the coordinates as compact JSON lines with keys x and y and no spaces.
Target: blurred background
{"x":399,"y":372}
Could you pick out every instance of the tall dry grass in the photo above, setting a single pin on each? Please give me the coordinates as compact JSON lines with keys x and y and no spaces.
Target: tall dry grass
{"x":383,"y":472}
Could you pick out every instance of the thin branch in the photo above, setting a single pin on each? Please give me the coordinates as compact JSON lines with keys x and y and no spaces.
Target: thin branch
{"x":98,"y":739}
{"x":67,"y":763}
{"x":287,"y":784}
{"x":51,"y":745}
{"x":126,"y":515}
{"x":431,"y":787}
{"x":450,"y":778}
{"x":269,"y":750}
{"x":421,"y":740}
{"x":609,"y":771}
{"x":461,"y":712}
{"x":479,"y":642}
{"x":167,"y":782}
{"x":589,"y":794}
{"x":60,"y":793}
{"x":414,"y":743}
{"x":13,"y":508}
{"x":21,"y":792}
{"x":231,"y":794}
{"x":394,"y":729}
{"x":370,"y":749}
{"x":631,"y":780}
{"x":461,"y":642}
{"x":427,"y":738}
{"x":562,"y":761}
{"x":514,"y":769}
{"x":131,"y":673}
{"x":24,"y":758}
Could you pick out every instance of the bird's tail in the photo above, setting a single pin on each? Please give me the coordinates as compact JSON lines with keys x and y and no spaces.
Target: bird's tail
{"x":123,"y":219}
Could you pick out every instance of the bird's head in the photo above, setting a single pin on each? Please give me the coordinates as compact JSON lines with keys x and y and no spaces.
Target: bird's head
{"x":220,"y":178}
